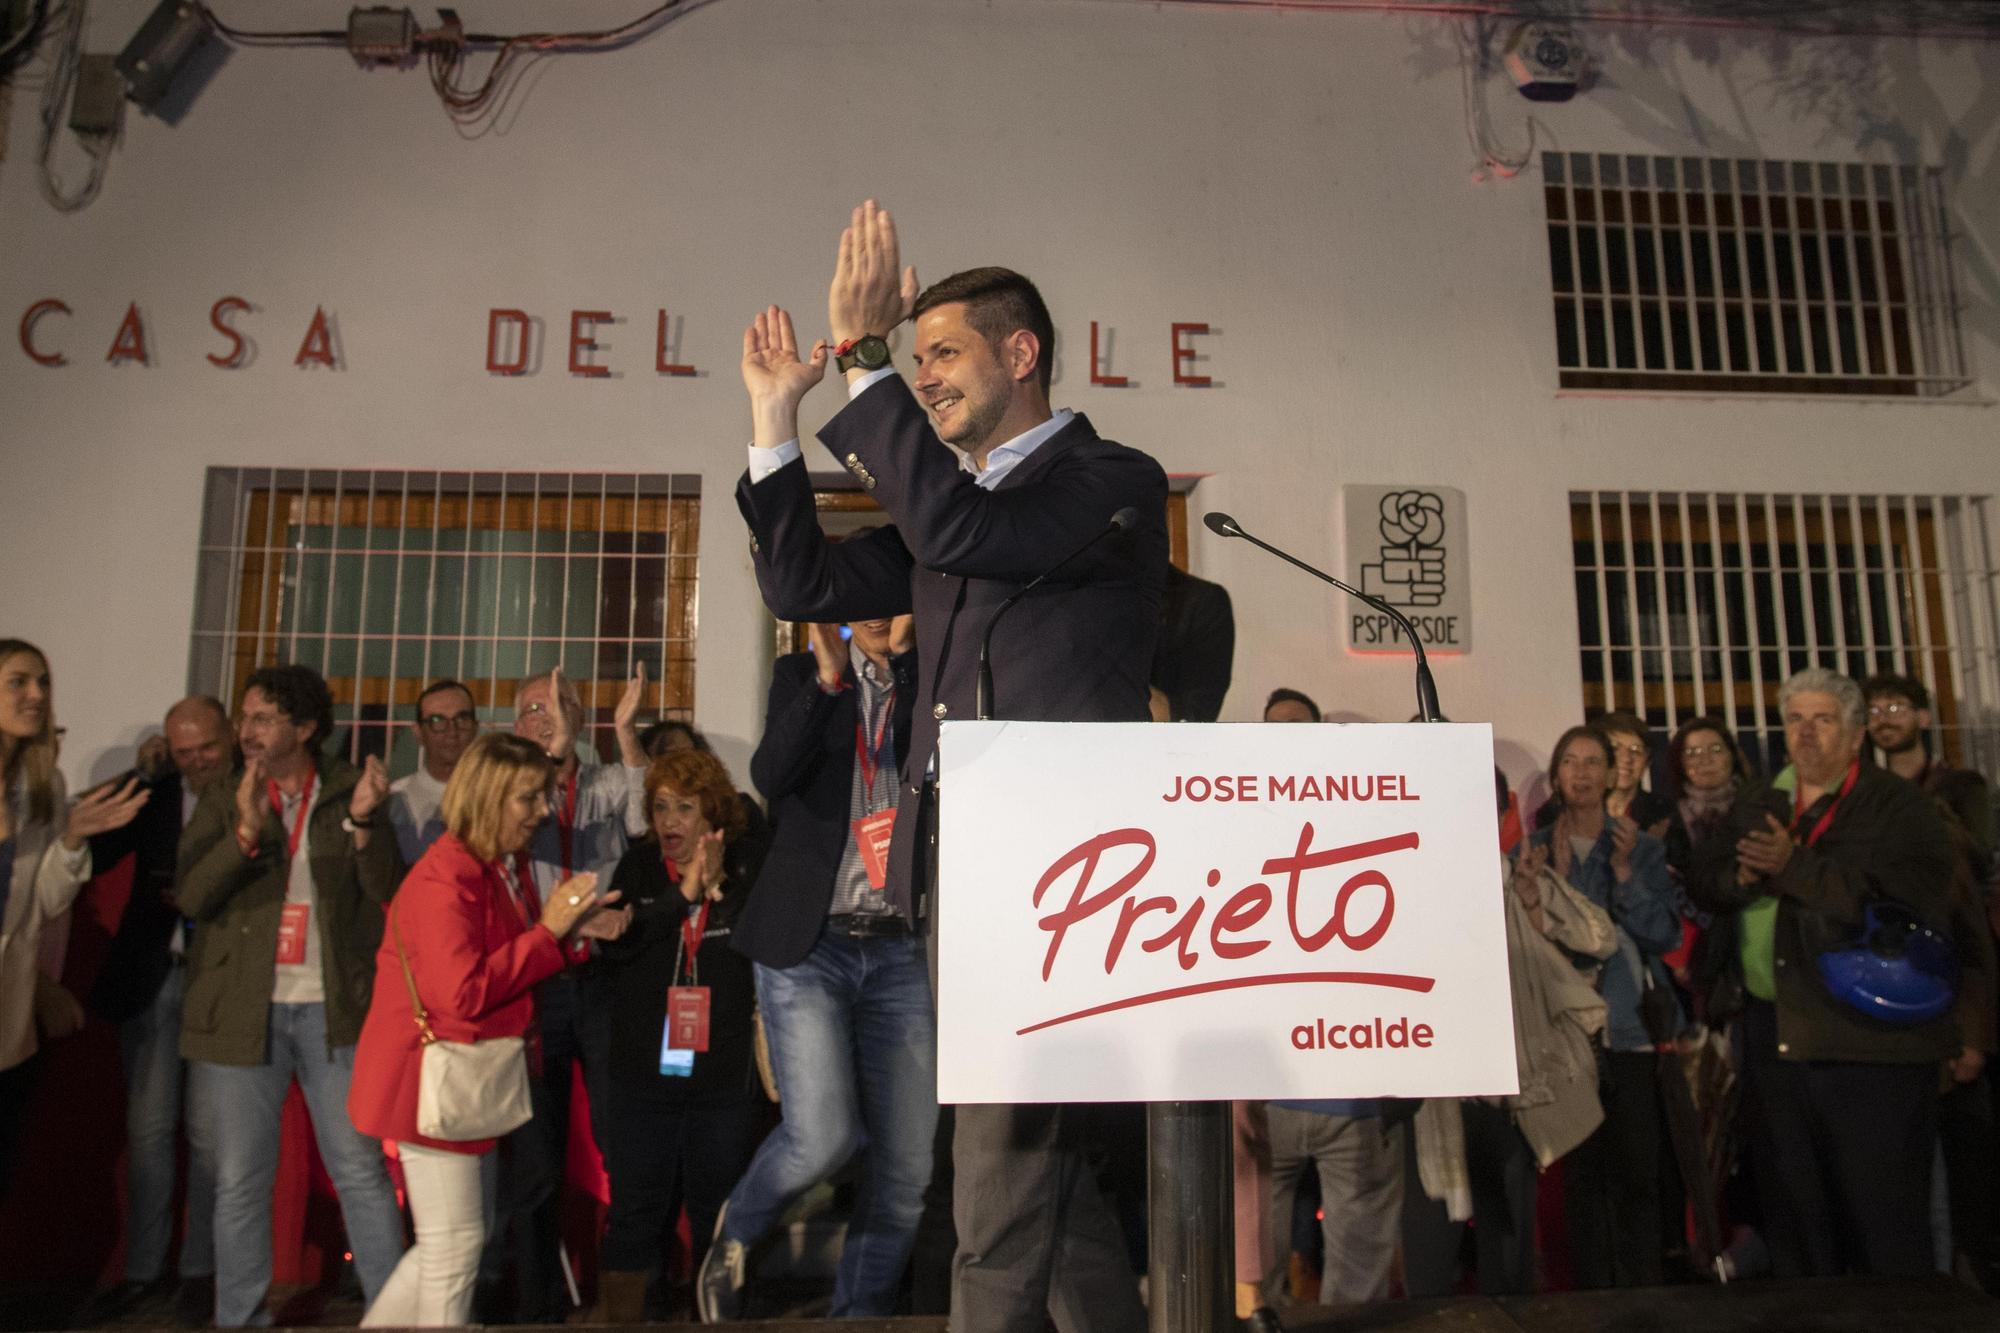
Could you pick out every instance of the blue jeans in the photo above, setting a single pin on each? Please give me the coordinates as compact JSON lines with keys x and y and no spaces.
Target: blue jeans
{"x":854,"y":1042}
{"x":149,"y":1047}
{"x":235,"y":1112}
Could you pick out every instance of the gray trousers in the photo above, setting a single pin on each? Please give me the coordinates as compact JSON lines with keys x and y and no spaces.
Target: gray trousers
{"x":1036,"y":1239}
{"x":1360,"y":1163}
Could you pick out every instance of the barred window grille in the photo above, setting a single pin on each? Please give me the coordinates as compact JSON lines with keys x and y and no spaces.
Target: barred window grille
{"x":386,"y":581}
{"x":1692,"y":604}
{"x":1724,"y":275}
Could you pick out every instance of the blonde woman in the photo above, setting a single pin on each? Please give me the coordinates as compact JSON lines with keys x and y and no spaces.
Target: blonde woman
{"x":477,"y":943}
{"x":44,"y":861}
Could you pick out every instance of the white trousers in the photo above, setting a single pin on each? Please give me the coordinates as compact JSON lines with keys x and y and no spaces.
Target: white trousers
{"x":432,"y":1285}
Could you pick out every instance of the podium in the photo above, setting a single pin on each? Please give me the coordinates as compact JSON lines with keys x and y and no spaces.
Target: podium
{"x":1186,"y":914}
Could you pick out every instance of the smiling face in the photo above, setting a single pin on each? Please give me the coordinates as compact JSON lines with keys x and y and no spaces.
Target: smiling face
{"x":527,"y":805}
{"x":25,"y":697}
{"x":532,"y":719}
{"x":871,"y":636}
{"x":976,"y":395}
{"x":1583,"y":773}
{"x":1628,"y":754}
{"x":680,"y":824}
{"x":267,"y":732}
{"x":1706,"y":760}
{"x":198,"y":740}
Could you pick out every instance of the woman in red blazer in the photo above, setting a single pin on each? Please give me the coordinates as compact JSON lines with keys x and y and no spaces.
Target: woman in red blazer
{"x":468,"y":923}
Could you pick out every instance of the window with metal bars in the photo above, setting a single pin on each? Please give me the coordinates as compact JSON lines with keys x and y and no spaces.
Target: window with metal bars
{"x":1693,"y":604}
{"x":1717,"y":274}
{"x":386,"y":581}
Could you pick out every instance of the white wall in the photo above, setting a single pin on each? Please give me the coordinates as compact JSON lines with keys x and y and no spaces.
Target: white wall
{"x":1300,"y":181}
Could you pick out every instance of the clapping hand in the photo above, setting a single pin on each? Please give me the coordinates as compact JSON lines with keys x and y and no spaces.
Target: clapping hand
{"x":1764,"y":851}
{"x":370,"y":791}
{"x":562,"y":735}
{"x":704,"y":872}
{"x":250,"y":805}
{"x":776,"y":378}
{"x":571,"y":901}
{"x":830,"y":652}
{"x":624,"y":719}
{"x":867,"y":295}
{"x":1624,"y":837}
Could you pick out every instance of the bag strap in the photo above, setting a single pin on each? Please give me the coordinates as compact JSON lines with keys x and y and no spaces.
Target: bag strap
{"x":423,"y":1019}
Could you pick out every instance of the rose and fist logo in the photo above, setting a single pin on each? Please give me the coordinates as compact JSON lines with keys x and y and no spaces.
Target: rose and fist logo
{"x":1411,"y":572}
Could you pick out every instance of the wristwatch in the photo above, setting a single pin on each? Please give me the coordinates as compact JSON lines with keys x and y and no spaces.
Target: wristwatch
{"x":867,"y":352}
{"x":349,"y":824}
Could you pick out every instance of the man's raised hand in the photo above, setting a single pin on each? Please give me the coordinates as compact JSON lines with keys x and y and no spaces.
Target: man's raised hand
{"x":776,"y":378}
{"x":868,"y":294}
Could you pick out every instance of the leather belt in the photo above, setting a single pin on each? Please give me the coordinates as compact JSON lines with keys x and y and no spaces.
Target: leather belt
{"x":867,"y":925}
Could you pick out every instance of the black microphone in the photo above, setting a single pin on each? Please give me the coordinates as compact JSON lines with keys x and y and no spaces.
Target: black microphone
{"x":1122,"y":521}
{"x":1223,"y":525}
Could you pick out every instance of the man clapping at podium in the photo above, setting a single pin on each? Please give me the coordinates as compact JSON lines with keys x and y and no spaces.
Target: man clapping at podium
{"x":1022,"y":491}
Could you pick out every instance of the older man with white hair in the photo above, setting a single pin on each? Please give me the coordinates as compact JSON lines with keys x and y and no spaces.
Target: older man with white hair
{"x":1842,"y":1104}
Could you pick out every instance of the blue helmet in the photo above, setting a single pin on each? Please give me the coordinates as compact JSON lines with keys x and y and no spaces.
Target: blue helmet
{"x":1899,"y":970}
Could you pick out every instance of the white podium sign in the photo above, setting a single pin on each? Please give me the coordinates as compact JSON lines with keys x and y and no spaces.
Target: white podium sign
{"x":1175,"y":912}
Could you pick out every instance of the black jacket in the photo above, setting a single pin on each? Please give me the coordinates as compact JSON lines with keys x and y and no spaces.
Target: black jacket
{"x":1077,"y":649}
{"x":638,"y":967}
{"x":140,"y":954}
{"x":804,"y":765}
{"x":1886,"y":841}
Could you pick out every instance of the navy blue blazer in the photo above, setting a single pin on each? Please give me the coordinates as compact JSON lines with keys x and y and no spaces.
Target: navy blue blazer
{"x":1077,"y":649}
{"x":804,"y":765}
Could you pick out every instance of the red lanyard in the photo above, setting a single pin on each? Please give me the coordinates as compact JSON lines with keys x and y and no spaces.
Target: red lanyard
{"x":692,"y":926}
{"x":305,"y":807}
{"x":566,"y":825}
{"x":866,"y":750}
{"x":1826,"y":820}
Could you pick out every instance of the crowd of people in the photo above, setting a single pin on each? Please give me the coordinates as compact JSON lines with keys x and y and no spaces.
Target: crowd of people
{"x":1718,"y":1108}
{"x":1751,"y":1017}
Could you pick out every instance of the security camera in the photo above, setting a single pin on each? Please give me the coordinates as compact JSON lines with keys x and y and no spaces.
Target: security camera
{"x":1546,"y":61}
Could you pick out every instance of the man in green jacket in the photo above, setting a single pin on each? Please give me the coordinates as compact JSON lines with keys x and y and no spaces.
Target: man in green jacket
{"x":284,"y":869}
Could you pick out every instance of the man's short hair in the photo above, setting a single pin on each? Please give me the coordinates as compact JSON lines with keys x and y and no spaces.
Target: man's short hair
{"x":1284,"y":695}
{"x":569,"y":691}
{"x":1906,"y":687}
{"x":300,"y":693}
{"x":208,"y":703}
{"x":997,"y":302}
{"x":1821,"y":680}
{"x":439,"y":687}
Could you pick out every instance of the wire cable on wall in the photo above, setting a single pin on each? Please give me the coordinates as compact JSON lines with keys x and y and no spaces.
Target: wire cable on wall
{"x":67,"y":29}
{"x":470,"y":102}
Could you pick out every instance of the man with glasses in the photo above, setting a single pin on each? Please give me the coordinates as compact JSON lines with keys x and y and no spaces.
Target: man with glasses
{"x":285,"y":869}
{"x":1899,"y":725}
{"x":446,"y":723}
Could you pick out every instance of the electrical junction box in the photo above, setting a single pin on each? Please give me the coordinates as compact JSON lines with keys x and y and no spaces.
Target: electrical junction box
{"x":99,"y":97}
{"x":380,"y":35}
{"x":1547,"y":61}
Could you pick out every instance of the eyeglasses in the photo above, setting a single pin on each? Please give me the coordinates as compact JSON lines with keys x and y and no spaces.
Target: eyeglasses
{"x":262,"y":720}
{"x":439,"y":723}
{"x":1714,"y":751}
{"x":1629,"y":751}
{"x":1889,"y":710}
{"x":532,"y":709}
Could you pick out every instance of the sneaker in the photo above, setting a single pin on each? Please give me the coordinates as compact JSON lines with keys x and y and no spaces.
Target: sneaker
{"x":718,"y":1287}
